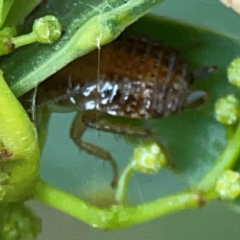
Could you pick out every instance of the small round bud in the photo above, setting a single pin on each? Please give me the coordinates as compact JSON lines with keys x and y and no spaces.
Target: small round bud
{"x":18,"y":222}
{"x":228,"y":185}
{"x":47,"y":29}
{"x":233,"y":72}
{"x":227,"y":110}
{"x":148,"y":158}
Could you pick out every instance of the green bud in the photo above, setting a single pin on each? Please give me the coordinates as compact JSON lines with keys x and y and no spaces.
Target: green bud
{"x":148,"y":158}
{"x":227,"y":110}
{"x":233,"y":72}
{"x":47,"y":29}
{"x":228,"y":185}
{"x":18,"y":222}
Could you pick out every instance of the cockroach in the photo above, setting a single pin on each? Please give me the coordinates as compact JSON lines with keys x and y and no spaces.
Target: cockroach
{"x":129,"y":77}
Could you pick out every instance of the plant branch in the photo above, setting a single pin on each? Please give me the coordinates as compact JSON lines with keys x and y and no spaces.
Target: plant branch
{"x":117,"y":216}
{"x":225,"y":161}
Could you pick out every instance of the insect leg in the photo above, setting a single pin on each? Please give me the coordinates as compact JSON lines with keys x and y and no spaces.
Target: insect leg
{"x":97,"y":121}
{"x":195,"y":99}
{"x":77,"y":130}
{"x":204,"y":72}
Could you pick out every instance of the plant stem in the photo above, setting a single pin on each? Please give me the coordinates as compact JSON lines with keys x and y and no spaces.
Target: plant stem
{"x":24,"y":40}
{"x":117,"y":216}
{"x":225,"y":161}
{"x":230,"y":131}
{"x":127,"y":216}
{"x":69,"y":204}
{"x":121,"y":190}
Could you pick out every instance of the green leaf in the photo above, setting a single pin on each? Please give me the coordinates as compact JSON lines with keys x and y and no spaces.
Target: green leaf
{"x":18,"y":11}
{"x":86,"y":24}
{"x":5,"y":7}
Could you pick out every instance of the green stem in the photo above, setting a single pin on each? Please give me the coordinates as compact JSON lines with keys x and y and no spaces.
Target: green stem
{"x":226,"y":160}
{"x":116,"y":216}
{"x":230,"y":131}
{"x":128,"y":216}
{"x":121,"y":190}
{"x":24,"y":40}
{"x":70,"y":204}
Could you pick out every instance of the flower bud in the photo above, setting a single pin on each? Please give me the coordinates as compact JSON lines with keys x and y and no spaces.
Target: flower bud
{"x":227,"y":110}
{"x":233,"y":72}
{"x":148,"y":158}
{"x":47,"y":29}
{"x":228,"y":185}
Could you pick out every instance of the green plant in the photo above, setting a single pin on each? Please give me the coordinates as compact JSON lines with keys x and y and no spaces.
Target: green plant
{"x":106,"y":20}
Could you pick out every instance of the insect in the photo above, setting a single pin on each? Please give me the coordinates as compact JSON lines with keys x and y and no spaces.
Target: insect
{"x":128,"y":77}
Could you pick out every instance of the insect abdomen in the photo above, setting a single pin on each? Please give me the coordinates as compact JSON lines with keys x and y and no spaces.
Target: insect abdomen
{"x":137,"y":80}
{"x":130,"y":77}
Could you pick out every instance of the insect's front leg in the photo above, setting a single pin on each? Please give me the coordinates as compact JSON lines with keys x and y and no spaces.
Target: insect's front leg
{"x":77,"y":130}
{"x":195,"y":99}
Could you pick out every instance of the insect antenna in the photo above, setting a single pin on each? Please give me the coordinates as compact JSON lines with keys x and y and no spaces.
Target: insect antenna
{"x":204,"y":72}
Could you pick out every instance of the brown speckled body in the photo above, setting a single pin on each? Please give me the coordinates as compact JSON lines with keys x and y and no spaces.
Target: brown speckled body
{"x":133,"y":79}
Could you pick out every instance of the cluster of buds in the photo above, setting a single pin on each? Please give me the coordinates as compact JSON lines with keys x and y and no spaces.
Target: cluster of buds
{"x":227,"y":112}
{"x":227,"y":108}
{"x":228,"y":185}
{"x":148,"y":157}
